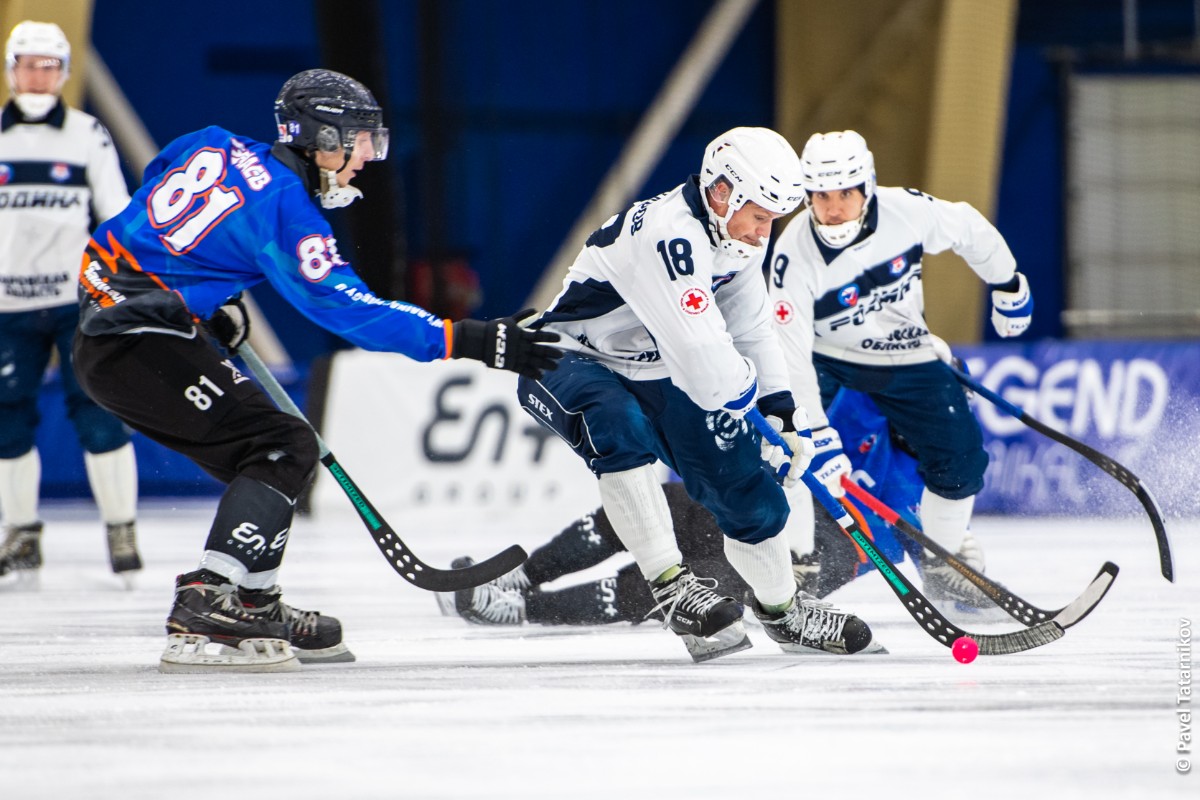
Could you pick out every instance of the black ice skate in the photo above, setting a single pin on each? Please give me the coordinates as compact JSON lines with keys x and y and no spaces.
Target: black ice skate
{"x":498,"y":602}
{"x":122,"y":548}
{"x":814,"y":626}
{"x":316,"y":638}
{"x":22,"y":548}
{"x":709,"y":624}
{"x":807,"y":569}
{"x":944,"y":584}
{"x":207,"y":611}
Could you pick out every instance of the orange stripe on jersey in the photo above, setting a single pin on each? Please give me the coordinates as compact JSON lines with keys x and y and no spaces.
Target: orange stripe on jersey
{"x":448,"y":327}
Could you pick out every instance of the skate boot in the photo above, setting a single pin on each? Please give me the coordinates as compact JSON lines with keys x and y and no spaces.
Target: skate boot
{"x":207,"y":611}
{"x":943,"y":583}
{"x":709,"y":624}
{"x":814,"y":626}
{"x":122,"y":547}
{"x":21,"y":548}
{"x":498,"y":602}
{"x":316,"y":638}
{"x":807,"y":569}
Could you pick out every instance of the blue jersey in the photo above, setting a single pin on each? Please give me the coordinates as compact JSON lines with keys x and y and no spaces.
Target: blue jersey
{"x":216,"y":215}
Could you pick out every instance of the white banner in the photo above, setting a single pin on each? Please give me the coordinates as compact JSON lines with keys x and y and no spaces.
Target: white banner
{"x":447,"y":441}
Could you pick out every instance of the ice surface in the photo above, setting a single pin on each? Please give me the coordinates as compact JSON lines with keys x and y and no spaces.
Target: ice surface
{"x":434,"y":708}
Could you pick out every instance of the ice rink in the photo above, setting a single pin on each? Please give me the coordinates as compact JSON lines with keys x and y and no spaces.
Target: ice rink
{"x":434,"y":708}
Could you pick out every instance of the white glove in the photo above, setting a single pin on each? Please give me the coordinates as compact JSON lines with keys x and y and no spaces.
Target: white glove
{"x":829,"y":463}
{"x":798,"y":438}
{"x":941,"y":349}
{"x":1011,"y":311}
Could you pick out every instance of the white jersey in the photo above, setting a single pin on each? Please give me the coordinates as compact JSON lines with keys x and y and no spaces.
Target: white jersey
{"x":54,"y":175}
{"x":863,"y":303}
{"x":651,"y":295}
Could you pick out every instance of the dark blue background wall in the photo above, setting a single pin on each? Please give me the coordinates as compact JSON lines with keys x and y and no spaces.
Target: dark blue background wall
{"x":538,"y":99}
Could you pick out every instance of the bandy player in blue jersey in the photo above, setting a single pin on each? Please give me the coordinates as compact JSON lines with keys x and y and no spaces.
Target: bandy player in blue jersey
{"x":217,"y":214}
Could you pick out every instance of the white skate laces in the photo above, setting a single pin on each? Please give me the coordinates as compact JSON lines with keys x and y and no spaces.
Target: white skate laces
{"x":686,"y":593}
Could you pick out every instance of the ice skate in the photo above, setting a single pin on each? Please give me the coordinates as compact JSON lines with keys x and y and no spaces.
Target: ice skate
{"x":942,"y":583}
{"x":807,"y":569}
{"x":21,"y":557}
{"x":498,"y":602}
{"x":22,"y":548}
{"x":709,"y":624}
{"x":207,"y":612}
{"x":315,"y":637}
{"x":814,"y":626}
{"x":122,"y":550}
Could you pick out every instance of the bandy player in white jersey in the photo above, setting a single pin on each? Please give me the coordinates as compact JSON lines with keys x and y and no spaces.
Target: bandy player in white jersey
{"x":667,"y":326}
{"x":845,"y":281}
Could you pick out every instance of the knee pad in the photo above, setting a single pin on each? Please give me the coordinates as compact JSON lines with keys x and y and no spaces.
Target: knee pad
{"x":18,"y":426}
{"x":98,"y":430}
{"x":288,"y":458}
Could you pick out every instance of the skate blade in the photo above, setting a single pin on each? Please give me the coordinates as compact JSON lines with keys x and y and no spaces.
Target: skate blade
{"x":22,"y":579}
{"x":872,"y":649}
{"x":127,"y":580}
{"x":186,"y":653}
{"x":727,"y":641}
{"x":338,"y":654}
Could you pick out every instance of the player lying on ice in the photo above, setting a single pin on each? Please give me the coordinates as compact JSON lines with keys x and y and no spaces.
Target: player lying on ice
{"x":820,"y":564}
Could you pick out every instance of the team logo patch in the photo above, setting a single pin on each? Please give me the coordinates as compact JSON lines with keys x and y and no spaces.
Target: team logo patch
{"x":848,"y":296}
{"x":5,"y":174}
{"x":60,"y":172}
{"x":694,"y":301}
{"x":898,"y":264}
{"x":784,"y":313}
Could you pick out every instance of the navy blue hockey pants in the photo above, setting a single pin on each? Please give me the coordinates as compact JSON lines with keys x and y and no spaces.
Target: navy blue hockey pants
{"x":925,"y":406}
{"x":616,"y":424}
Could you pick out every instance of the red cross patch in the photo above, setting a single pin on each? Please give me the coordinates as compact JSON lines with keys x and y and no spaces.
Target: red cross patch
{"x":784,"y":313}
{"x":694,"y":301}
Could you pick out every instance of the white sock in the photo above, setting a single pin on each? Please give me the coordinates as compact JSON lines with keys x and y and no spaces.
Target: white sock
{"x":113,"y":478}
{"x":20,"y":478}
{"x":766,"y":566}
{"x":637,"y":509}
{"x":224,"y":565}
{"x":800,"y":529}
{"x":946,"y":521}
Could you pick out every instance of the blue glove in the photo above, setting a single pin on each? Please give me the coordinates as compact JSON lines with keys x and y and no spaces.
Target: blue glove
{"x":829,"y":463}
{"x":1012,"y":307}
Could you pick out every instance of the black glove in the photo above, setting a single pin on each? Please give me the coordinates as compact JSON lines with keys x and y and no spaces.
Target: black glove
{"x":503,"y":344}
{"x":230,"y":324}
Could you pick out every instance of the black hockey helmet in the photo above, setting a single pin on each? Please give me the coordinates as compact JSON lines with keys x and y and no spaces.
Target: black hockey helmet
{"x":320,"y":109}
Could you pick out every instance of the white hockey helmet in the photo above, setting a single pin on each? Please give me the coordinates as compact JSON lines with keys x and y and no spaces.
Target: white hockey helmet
{"x":31,"y":38}
{"x":759,"y":165}
{"x":833,"y":161}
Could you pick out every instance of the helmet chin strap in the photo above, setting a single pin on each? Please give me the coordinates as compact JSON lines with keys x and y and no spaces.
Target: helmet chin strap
{"x":334,"y":195}
{"x":729,"y":245}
